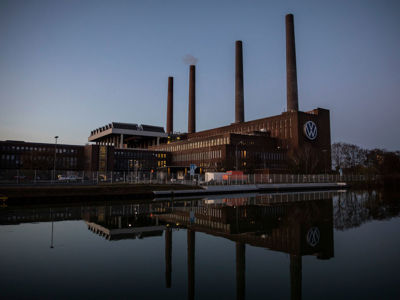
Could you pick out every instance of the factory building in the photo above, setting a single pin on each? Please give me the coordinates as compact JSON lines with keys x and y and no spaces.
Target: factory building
{"x":294,"y":141}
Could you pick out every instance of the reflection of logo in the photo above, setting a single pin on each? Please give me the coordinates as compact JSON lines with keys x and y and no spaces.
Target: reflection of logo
{"x":313,"y":236}
{"x":310,"y":130}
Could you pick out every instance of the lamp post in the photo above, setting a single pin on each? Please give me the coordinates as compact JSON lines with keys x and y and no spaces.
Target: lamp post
{"x":55,"y":157}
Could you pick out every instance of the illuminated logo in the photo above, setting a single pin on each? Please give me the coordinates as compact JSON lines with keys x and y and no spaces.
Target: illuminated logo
{"x":310,"y":130}
{"x":313,"y":236}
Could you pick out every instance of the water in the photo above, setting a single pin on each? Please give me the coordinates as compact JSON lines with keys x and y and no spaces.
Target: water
{"x":322,"y":245}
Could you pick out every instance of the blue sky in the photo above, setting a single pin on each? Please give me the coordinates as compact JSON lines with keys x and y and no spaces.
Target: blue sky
{"x":67,"y":67}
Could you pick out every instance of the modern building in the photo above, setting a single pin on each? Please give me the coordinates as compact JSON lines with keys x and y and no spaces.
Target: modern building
{"x":19,"y":155}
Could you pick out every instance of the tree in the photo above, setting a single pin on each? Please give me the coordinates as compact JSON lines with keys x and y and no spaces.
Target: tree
{"x":348,"y":157}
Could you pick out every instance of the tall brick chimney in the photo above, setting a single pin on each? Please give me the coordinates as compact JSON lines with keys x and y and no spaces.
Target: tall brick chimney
{"x":239,"y":94}
{"x":170,"y":106}
{"x":291,"y":71}
{"x":192,"y":100}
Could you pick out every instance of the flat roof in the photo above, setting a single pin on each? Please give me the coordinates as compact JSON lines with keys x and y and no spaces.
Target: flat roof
{"x":127,"y":129}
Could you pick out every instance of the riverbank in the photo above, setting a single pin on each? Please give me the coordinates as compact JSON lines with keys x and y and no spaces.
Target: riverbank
{"x":80,"y":193}
{"x":30,"y":194}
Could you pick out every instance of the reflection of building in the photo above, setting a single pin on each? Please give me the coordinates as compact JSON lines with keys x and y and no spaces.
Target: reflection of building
{"x":295,"y":227}
{"x":271,"y":144}
{"x":124,"y":222}
{"x":126,"y":233}
{"x":298,"y":224}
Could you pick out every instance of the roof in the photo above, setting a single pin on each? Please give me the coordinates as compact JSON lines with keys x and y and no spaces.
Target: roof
{"x":129,"y":129}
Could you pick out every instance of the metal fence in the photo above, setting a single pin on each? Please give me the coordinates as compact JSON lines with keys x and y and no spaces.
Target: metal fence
{"x":137,"y":177}
{"x":288,"y":178}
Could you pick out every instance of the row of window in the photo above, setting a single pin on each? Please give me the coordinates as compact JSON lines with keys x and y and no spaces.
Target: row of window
{"x":272,"y":126}
{"x":39,"y":149}
{"x":197,"y":145}
{"x":12,"y":160}
{"x":197,"y":156}
{"x":140,"y":154}
{"x":261,"y":155}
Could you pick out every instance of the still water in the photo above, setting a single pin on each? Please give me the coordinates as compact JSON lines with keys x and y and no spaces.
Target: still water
{"x":316,"y":245}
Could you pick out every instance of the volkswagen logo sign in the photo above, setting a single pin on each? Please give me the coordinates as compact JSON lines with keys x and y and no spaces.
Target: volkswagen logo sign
{"x":313,"y":236}
{"x":310,"y":130}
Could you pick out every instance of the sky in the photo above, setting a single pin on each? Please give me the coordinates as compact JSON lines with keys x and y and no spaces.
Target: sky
{"x":68,"y":67}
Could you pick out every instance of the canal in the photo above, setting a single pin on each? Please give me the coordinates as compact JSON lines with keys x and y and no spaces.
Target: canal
{"x":309,"y":245}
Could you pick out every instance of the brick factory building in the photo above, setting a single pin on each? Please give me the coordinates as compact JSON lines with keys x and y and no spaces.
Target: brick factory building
{"x":294,"y":141}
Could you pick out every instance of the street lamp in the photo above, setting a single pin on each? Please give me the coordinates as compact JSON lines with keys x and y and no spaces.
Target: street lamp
{"x":55,"y":156}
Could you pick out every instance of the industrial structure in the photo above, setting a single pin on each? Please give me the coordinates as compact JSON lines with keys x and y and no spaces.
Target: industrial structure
{"x":294,"y":141}
{"x":289,"y":142}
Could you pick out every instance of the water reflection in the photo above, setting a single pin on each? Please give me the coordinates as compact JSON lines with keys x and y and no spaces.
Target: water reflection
{"x":299,"y":224}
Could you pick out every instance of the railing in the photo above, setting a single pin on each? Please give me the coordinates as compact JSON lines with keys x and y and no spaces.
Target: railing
{"x":137,"y":177}
{"x":288,"y":178}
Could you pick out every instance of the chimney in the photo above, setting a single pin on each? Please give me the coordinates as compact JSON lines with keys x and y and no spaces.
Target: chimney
{"x":192,"y":100}
{"x":239,"y":95}
{"x":291,"y":72}
{"x":170,"y":106}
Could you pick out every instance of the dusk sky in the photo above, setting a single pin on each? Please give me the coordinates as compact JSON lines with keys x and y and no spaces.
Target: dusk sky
{"x":68,"y":67}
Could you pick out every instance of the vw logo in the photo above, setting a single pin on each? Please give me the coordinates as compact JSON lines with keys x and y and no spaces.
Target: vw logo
{"x":313,"y":236}
{"x":310,"y":130}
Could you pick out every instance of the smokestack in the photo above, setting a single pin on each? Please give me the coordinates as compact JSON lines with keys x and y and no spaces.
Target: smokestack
{"x":291,"y":72}
{"x":170,"y":106}
{"x":192,"y":100}
{"x":239,"y":94}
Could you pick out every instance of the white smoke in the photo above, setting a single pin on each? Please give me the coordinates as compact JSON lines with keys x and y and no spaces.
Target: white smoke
{"x":190,"y":59}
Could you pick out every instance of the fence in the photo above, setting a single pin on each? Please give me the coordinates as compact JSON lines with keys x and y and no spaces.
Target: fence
{"x":82,"y":177}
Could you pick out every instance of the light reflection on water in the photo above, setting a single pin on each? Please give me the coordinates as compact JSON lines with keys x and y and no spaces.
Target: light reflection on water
{"x":317,"y":245}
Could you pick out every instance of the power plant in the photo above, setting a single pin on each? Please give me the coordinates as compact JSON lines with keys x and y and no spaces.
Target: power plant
{"x":294,"y":141}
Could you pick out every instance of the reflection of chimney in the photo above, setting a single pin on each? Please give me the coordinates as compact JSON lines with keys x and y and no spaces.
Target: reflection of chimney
{"x":170,"y":106}
{"x":295,"y":276}
{"x":240,"y":270}
{"x":239,"y":94}
{"x":291,"y":72}
{"x":168,"y":256}
{"x":192,"y":100}
{"x":191,"y":247}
